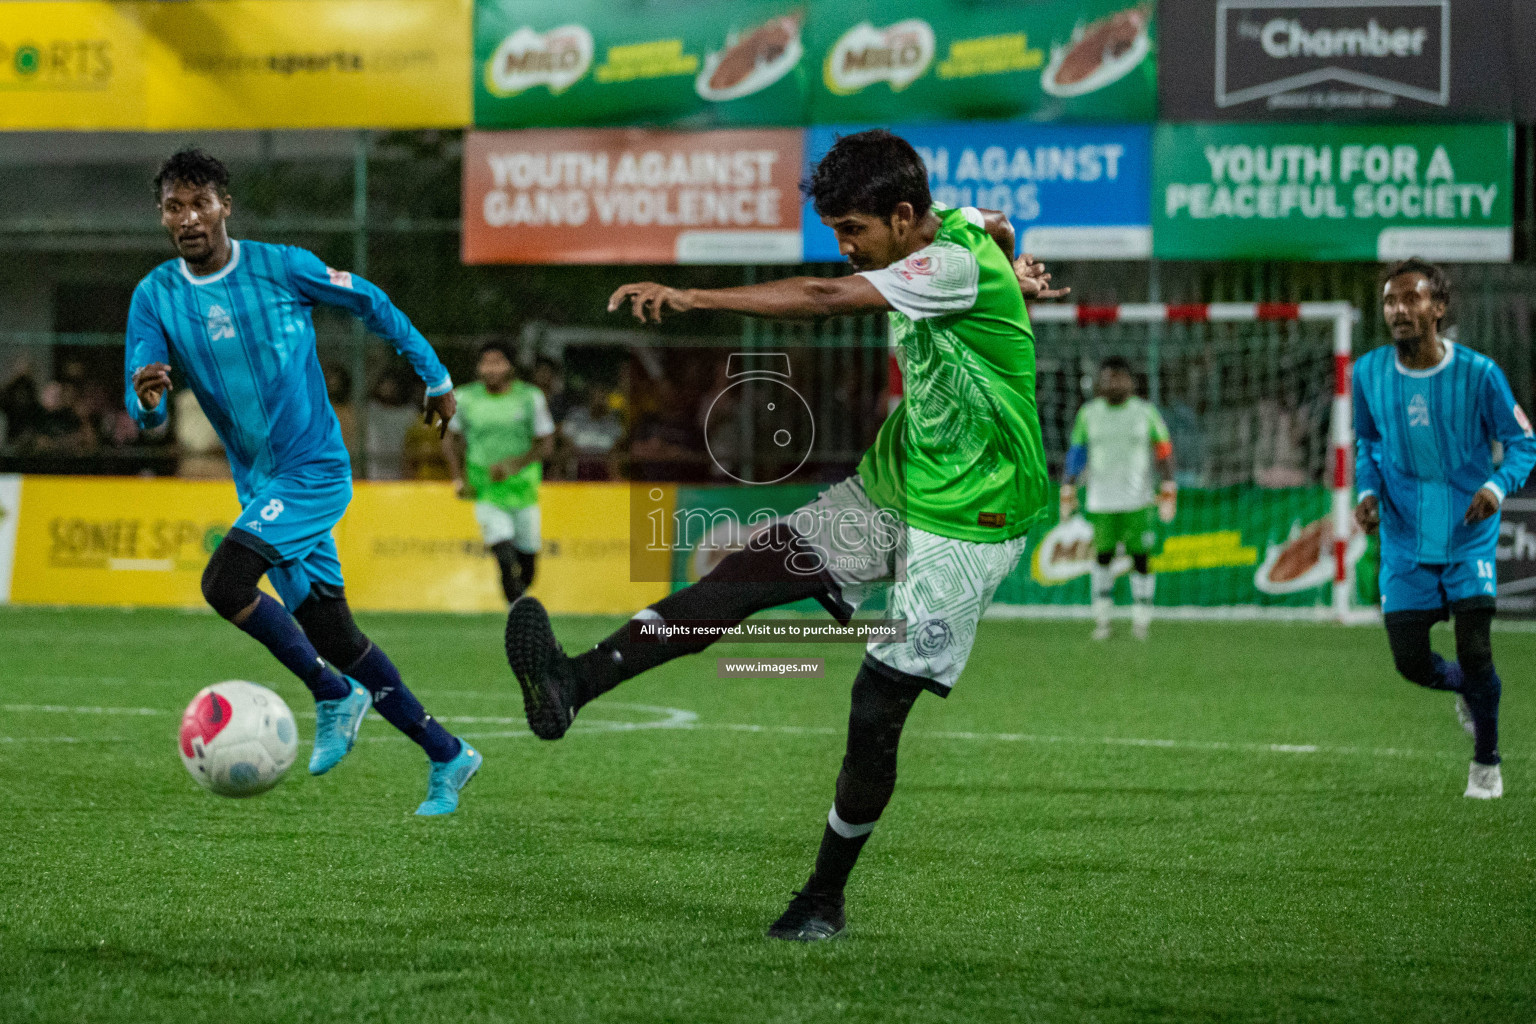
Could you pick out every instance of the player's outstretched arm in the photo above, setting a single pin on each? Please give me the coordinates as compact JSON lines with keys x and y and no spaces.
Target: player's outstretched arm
{"x":366,"y":301}
{"x":794,"y":298}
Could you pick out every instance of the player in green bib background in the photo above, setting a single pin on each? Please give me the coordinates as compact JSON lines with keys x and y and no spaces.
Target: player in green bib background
{"x":936,"y":514}
{"x":1115,"y":439}
{"x":496,"y":446}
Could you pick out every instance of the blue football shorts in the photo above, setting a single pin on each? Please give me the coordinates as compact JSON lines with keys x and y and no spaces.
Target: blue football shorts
{"x":1408,"y":586}
{"x":289,"y":521}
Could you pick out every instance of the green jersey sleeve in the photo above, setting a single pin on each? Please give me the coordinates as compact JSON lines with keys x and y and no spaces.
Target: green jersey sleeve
{"x":1080,"y":427}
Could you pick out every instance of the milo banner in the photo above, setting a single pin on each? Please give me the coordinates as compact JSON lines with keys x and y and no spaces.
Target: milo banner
{"x":632,"y":196}
{"x":1226,"y":547}
{"x":788,"y":62}
{"x":1299,"y":60}
{"x":234,"y":64}
{"x":1333,"y":192}
{"x":944,"y":60}
{"x":1072,"y":192}
{"x":588,"y":62}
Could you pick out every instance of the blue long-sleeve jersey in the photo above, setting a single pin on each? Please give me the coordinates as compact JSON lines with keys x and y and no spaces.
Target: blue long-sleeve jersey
{"x":1424,"y":448}
{"x":244,"y":339}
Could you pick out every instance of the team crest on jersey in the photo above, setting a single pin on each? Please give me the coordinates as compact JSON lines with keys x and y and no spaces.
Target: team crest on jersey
{"x":1418,"y":411}
{"x":932,"y":637}
{"x":220,"y":324}
{"x":1522,"y":419}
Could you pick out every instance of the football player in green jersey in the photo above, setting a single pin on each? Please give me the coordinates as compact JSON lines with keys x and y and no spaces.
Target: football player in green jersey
{"x":1115,"y":439}
{"x":937,"y":512}
{"x":496,"y":445}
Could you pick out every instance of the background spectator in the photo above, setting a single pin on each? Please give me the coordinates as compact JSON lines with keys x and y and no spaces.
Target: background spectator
{"x":593,"y":432}
{"x":390,"y":415}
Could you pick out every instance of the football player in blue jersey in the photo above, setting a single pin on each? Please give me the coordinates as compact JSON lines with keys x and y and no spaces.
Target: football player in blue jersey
{"x":1427,"y":412}
{"x":233,"y":317}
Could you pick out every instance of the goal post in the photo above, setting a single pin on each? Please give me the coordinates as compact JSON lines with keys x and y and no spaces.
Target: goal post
{"x":1264,"y":389}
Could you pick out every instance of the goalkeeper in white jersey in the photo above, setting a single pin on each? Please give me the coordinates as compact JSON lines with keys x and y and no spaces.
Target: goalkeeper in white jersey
{"x":1115,"y":439}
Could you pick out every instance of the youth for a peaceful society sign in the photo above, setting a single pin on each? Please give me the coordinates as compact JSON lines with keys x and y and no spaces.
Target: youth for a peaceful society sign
{"x":1333,"y":192}
{"x":1072,"y":192}
{"x":624,"y":195}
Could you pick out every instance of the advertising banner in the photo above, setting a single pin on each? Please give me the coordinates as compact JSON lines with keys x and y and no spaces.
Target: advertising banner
{"x":128,"y":542}
{"x":1307,"y":60}
{"x":403,"y":547}
{"x":1517,"y":556}
{"x":588,"y":62}
{"x":414,"y":547}
{"x":1229,"y":546}
{"x":632,"y":196}
{"x":945,"y":60}
{"x":1072,"y":192}
{"x":1333,"y":192}
{"x":780,"y":62}
{"x":10,"y":511}
{"x":235,"y":64}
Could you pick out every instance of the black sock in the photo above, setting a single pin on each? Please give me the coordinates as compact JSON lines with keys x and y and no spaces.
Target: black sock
{"x":1481,"y":691}
{"x":513,"y":582}
{"x":399,"y":707}
{"x":527,"y":565}
{"x":835,"y":860}
{"x":273,"y":626}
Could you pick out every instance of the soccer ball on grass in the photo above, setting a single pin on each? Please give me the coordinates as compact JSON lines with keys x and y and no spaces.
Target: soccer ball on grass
{"x":237,"y":738}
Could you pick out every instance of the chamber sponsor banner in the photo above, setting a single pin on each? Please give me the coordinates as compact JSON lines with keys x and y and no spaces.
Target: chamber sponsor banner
{"x":10,"y":512}
{"x":1335,"y":59}
{"x":590,"y":63}
{"x":632,"y":196}
{"x":403,"y":547}
{"x":233,"y":64}
{"x":1517,"y":556}
{"x":1072,"y":192}
{"x":941,"y":60}
{"x":1333,"y":192}
{"x":1524,"y":70}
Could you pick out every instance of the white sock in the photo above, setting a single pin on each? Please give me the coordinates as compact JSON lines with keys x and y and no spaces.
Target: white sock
{"x":1103,"y":591}
{"x":1143,"y":587}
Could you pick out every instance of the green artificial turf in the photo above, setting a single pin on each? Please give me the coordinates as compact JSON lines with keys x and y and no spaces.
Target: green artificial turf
{"x":1244,"y":822}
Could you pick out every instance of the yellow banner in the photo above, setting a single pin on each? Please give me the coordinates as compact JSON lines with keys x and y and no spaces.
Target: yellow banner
{"x":233,"y":64}
{"x":403,"y":546}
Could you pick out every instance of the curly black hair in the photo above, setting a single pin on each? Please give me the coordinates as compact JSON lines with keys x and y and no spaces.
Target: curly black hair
{"x":191,"y":166}
{"x":869,"y":173}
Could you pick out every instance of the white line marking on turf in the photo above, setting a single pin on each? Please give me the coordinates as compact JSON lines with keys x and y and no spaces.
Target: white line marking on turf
{"x":684,"y":720}
{"x":64,"y":709}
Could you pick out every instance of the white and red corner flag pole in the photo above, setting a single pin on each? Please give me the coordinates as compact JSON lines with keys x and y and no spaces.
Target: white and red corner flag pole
{"x":1342,"y":437}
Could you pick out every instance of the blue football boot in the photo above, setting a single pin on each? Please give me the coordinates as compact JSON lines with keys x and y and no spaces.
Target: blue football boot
{"x":447,"y":778}
{"x":336,"y":725}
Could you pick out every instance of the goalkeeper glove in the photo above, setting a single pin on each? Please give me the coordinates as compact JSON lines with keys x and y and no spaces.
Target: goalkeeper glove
{"x":1167,"y":501}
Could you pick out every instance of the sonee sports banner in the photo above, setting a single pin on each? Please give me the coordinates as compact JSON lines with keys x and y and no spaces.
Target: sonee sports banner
{"x":234,"y":64}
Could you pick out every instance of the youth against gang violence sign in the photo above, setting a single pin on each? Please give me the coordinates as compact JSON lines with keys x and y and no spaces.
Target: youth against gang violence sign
{"x":1333,"y":192}
{"x":632,"y":196}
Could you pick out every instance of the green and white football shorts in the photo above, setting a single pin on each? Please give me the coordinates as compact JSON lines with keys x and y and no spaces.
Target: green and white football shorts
{"x":520,"y":526}
{"x":939,"y":586}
